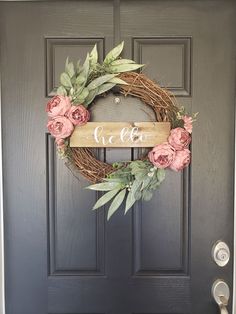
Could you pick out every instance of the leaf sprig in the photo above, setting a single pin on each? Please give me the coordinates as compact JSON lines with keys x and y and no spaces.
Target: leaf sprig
{"x":84,"y":82}
{"x":133,"y":181}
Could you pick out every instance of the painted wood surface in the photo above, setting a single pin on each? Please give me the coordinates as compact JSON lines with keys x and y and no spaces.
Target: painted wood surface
{"x":120,"y":134}
{"x":60,"y":256}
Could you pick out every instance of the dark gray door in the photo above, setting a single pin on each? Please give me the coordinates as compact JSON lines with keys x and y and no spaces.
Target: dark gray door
{"x":60,"y":256}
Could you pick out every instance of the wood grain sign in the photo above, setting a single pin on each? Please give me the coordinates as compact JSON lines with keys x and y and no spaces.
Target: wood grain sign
{"x":120,"y":134}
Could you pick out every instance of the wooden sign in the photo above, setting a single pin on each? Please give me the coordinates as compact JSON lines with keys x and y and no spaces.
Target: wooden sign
{"x":120,"y":134}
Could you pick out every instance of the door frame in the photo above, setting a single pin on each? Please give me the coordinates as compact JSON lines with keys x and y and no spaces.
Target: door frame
{"x":2,"y":259}
{"x":2,"y":256}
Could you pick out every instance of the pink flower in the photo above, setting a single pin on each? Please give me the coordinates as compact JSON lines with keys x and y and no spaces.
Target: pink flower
{"x":188,"y":123}
{"x":179,"y":138}
{"x":58,"y":106}
{"x":182,"y":160}
{"x":162,"y":155}
{"x":78,"y":115}
{"x":60,"y":127}
{"x":60,"y":143}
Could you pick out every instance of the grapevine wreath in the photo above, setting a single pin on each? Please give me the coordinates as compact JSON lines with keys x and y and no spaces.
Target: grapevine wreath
{"x":123,"y":181}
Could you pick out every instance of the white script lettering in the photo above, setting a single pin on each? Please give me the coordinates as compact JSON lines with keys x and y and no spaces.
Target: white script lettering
{"x":126,"y":134}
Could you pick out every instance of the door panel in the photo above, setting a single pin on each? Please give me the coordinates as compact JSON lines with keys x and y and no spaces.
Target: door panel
{"x":182,"y":37}
{"x":161,"y":231}
{"x":168,"y":59}
{"x":61,"y":257}
{"x":73,"y":249}
{"x":58,"y":49}
{"x":52,"y":246}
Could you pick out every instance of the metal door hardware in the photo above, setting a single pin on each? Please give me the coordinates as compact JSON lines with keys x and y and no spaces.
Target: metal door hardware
{"x":221,"y":253}
{"x":221,"y":294}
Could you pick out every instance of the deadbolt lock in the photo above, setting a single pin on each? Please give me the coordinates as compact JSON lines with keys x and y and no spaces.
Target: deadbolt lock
{"x":221,"y":253}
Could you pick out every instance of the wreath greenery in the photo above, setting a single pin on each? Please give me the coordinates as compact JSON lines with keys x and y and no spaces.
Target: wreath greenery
{"x":122,"y":181}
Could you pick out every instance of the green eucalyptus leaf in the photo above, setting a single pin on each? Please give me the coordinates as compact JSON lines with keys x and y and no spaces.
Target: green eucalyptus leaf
{"x":135,"y":170}
{"x":123,"y":181}
{"x":160,"y":175}
{"x":100,"y":80}
{"x":71,"y":92}
{"x":114,"y":53}
{"x":79,"y":90}
{"x":137,"y":195}
{"x":84,"y":93}
{"x":69,"y":68}
{"x":78,"y":67}
{"x":80,"y":79}
{"x":85,"y":69}
{"x":155,"y":181}
{"x":104,"y":186}
{"x":147,"y":195}
{"x":61,"y":91}
{"x":124,"y":67}
{"x":145,"y":182}
{"x":117,"y":80}
{"x":116,"y":203}
{"x":135,"y":188}
{"x":122,"y":61}
{"x":93,"y":57}
{"x":139,"y":164}
{"x":114,"y":180}
{"x":129,"y":202}
{"x":79,"y":100}
{"x":154,"y":185}
{"x":105,"y":87}
{"x":140,"y":175}
{"x":117,"y":164}
{"x":139,"y":169}
{"x":73,"y":80}
{"x":92,"y":94}
{"x":105,"y":198}
{"x":80,"y":86}
{"x":65,"y":80}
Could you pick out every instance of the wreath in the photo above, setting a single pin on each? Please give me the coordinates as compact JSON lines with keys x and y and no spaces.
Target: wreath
{"x":125,"y":181}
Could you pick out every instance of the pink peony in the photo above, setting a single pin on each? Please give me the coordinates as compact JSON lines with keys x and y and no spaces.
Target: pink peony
{"x":188,"y":123}
{"x":182,"y":160}
{"x":60,"y":127}
{"x":60,"y":143}
{"x":78,"y":115}
{"x":162,"y":155}
{"x":58,"y":106}
{"x":179,"y":138}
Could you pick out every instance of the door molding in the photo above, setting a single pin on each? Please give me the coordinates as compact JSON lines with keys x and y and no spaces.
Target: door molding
{"x":2,"y":268}
{"x":234,"y":253}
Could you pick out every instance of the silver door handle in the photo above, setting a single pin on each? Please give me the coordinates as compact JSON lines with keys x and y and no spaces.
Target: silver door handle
{"x":221,"y":293}
{"x":223,"y":304}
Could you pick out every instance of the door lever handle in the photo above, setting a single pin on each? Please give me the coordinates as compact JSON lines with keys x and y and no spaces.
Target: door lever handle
{"x":220,"y":293}
{"x":223,"y":304}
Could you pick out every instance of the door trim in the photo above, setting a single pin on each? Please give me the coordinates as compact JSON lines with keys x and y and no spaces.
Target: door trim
{"x":234,"y":253}
{"x":2,"y":268}
{"x":2,"y":256}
